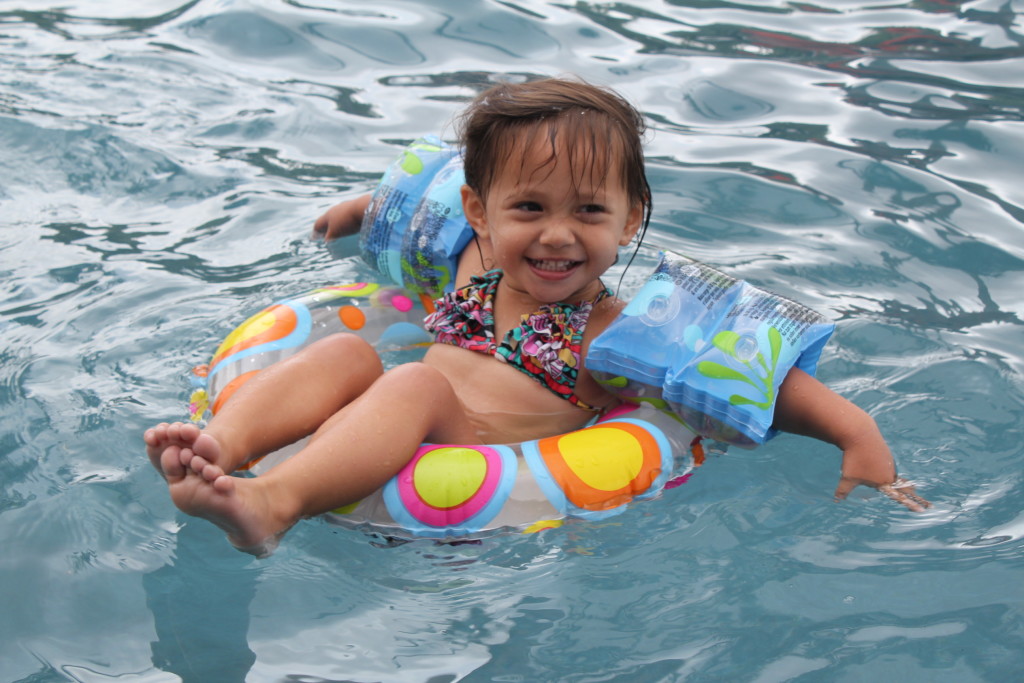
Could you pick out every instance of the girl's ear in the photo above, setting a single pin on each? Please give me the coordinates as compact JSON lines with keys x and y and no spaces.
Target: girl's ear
{"x":473,"y":207}
{"x":633,"y":220}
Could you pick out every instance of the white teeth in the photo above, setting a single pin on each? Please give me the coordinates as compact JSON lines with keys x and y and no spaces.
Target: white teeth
{"x":553,"y":265}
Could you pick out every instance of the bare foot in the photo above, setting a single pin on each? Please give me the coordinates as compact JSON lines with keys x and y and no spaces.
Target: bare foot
{"x":241,"y":507}
{"x":182,"y":438}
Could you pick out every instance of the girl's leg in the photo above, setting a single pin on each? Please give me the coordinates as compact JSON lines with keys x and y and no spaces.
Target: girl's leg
{"x":353,"y":454}
{"x":280,"y":405}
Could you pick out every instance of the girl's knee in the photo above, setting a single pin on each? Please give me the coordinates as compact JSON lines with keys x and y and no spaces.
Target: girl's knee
{"x":416,"y":376}
{"x":426,"y":393}
{"x":419,"y":381}
{"x":348,"y":351}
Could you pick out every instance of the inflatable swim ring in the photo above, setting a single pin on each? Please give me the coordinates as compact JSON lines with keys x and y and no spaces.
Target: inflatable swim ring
{"x":450,"y":491}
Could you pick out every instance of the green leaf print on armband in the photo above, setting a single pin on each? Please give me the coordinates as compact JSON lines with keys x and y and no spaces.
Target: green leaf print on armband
{"x":411,"y":163}
{"x":616,"y":382}
{"x":746,"y":350}
{"x":630,"y":392}
{"x":419,"y":277}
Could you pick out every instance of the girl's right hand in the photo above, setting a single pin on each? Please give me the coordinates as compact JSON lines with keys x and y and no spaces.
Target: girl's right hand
{"x":341,"y":219}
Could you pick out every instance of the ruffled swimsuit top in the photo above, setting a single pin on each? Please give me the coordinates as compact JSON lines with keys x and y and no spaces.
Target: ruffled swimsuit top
{"x":546,"y":344}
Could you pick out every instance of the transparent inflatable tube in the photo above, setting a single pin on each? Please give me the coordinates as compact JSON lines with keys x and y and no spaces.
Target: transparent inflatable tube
{"x":452,"y":491}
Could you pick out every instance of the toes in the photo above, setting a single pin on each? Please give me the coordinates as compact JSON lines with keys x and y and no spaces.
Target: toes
{"x":170,"y":463}
{"x":212,"y":473}
{"x":189,"y":432}
{"x":224,"y":483}
{"x":207,"y":446}
{"x":196,"y":463}
{"x":203,"y":467}
{"x":154,"y":436}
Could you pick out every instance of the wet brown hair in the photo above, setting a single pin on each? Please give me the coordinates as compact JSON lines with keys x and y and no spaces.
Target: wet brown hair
{"x":595,"y":126}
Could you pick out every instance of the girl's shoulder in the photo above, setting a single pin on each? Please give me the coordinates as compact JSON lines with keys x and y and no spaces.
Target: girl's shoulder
{"x":602,"y":315}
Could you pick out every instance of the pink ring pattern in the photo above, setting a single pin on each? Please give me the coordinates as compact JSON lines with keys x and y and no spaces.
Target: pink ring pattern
{"x":413,"y":503}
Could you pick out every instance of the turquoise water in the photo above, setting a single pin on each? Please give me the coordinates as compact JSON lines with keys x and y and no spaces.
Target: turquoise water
{"x":161,"y":163}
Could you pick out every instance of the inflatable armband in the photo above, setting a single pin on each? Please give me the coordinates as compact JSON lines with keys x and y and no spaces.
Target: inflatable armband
{"x":414,"y":229}
{"x":711,"y":348}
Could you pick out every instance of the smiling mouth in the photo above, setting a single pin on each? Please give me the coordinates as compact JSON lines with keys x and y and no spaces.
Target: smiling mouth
{"x":553,"y":266}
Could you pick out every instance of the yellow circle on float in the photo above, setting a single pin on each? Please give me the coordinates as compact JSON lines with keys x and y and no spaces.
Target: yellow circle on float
{"x":604,"y":458}
{"x":447,"y":477}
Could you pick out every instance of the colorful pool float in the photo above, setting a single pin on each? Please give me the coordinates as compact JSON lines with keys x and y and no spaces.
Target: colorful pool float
{"x":449,"y":490}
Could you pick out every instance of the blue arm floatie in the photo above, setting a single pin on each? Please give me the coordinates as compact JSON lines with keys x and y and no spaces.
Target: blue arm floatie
{"x":414,"y":229}
{"x":709,"y":347}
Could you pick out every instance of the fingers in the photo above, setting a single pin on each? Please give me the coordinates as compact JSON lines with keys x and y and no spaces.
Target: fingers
{"x":845,"y":486}
{"x":900,"y":490}
{"x":337,"y":221}
{"x":320,"y":227}
{"x":903,"y":493}
{"x":341,"y":219}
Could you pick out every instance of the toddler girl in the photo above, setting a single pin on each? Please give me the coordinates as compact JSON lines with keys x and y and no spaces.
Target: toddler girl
{"x":555,"y":185}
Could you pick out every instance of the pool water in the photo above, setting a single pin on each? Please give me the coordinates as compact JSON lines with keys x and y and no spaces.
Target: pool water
{"x":163,"y":161}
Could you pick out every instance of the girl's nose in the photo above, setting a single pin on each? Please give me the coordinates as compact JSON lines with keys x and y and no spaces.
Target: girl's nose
{"x":557,"y":233}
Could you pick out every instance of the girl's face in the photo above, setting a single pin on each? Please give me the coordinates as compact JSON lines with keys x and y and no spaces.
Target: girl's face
{"x":551,"y":234}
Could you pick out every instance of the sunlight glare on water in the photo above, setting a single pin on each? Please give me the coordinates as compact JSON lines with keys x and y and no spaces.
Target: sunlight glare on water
{"x":162,"y":165}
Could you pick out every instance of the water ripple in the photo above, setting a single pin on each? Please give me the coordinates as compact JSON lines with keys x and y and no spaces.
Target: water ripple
{"x":164,"y":161}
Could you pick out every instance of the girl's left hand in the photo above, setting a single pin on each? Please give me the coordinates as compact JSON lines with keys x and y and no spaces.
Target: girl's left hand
{"x":900,"y":490}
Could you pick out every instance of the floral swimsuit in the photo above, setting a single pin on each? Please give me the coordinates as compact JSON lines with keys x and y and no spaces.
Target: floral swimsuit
{"x":546,"y":345}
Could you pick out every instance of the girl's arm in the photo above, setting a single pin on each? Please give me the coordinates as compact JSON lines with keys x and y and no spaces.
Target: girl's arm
{"x":341,"y":219}
{"x":806,"y":406}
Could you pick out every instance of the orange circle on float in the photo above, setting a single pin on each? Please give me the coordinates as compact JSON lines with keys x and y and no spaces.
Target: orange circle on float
{"x":604,"y":466}
{"x":351,"y":317}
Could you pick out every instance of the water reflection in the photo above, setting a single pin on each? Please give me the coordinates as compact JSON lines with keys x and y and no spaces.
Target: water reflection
{"x":72,"y":25}
{"x":163,"y":161}
{"x":251,"y":36}
{"x":200,"y":604}
{"x":383,"y":46}
{"x":718,"y":103}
